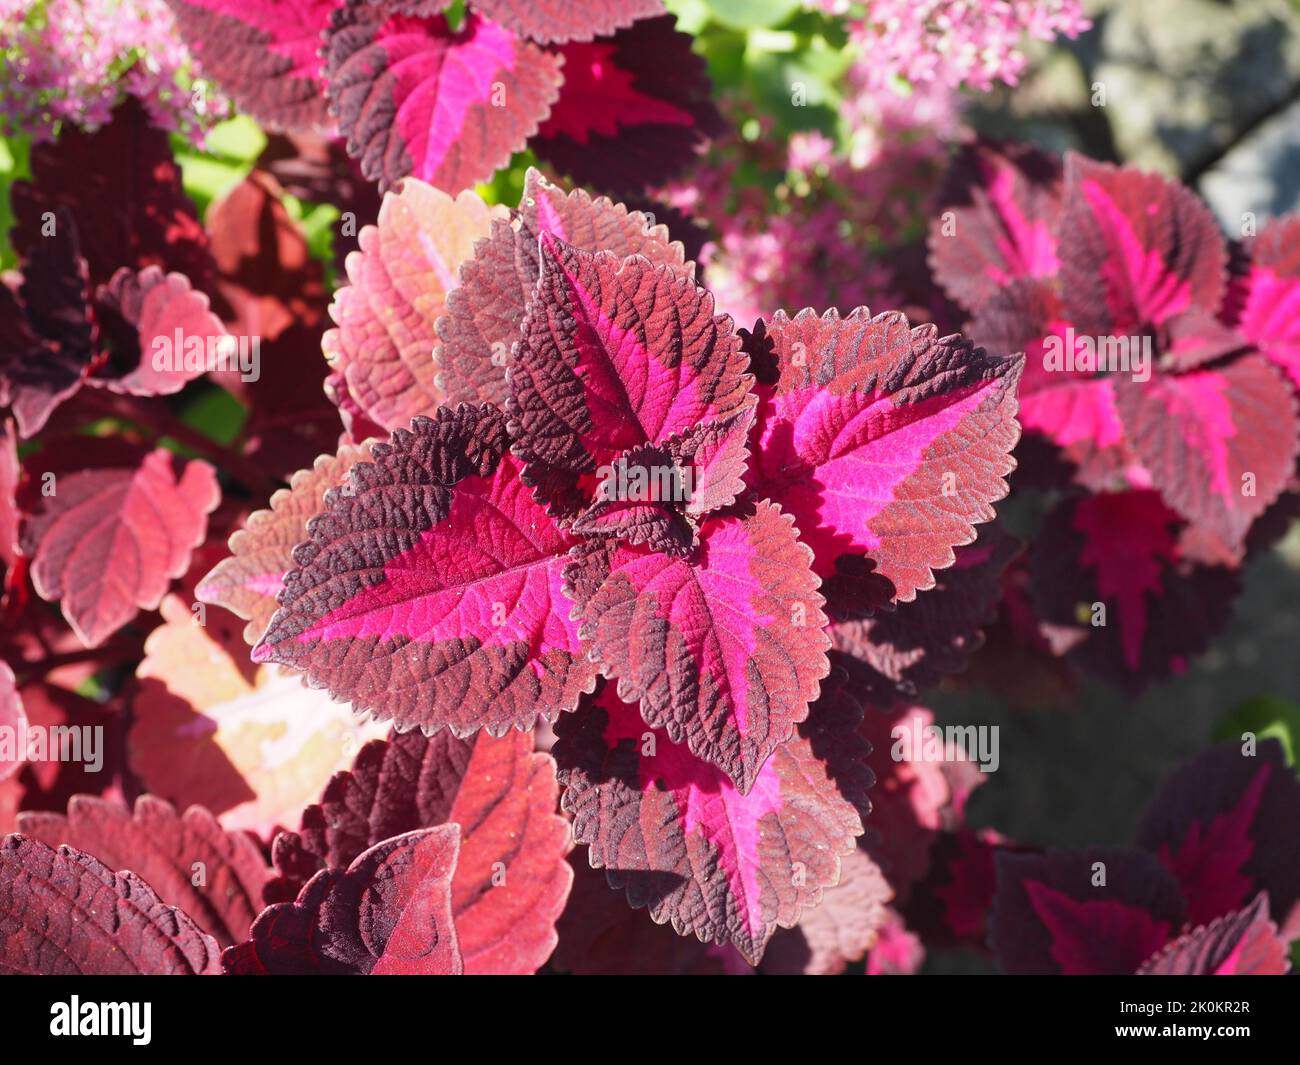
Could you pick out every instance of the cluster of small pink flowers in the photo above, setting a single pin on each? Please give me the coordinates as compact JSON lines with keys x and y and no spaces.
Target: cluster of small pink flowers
{"x":821,"y":234}
{"x":825,"y":227}
{"x":71,"y":61}
{"x":959,"y":43}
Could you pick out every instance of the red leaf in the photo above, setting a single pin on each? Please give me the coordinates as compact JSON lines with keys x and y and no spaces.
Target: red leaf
{"x":398,"y":286}
{"x":635,"y":108}
{"x":885,"y":443}
{"x":415,"y":97}
{"x":127,"y":163}
{"x":1141,"y":249}
{"x":1220,"y":444}
{"x":676,"y":835}
{"x":484,"y":313}
{"x":161,"y":331}
{"x":1051,"y":915}
{"x":1001,"y":205}
{"x":556,"y":21}
{"x":1244,"y":943}
{"x":215,"y":877}
{"x":511,"y":879}
{"x":724,"y":650}
{"x":13,"y":722}
{"x":615,"y":353}
{"x":109,"y":541}
{"x":1224,"y":826}
{"x":429,"y":593}
{"x":63,"y":913}
{"x":263,"y":54}
{"x":388,"y":914}
{"x":1119,"y":550}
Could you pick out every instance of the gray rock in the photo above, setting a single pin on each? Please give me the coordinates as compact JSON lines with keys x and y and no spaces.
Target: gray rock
{"x":1184,"y":78}
{"x":1260,"y":176}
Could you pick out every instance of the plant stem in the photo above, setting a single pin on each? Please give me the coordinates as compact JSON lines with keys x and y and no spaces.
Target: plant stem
{"x":151,"y":414}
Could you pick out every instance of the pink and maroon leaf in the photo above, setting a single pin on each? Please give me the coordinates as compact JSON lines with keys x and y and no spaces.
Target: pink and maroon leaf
{"x":484,"y":314}
{"x":264,"y":54}
{"x":615,"y":354}
{"x":635,"y":108}
{"x":1220,"y":443}
{"x":1270,"y":308}
{"x":885,"y":443}
{"x":676,"y":835}
{"x":1001,"y":206}
{"x":1073,"y":409}
{"x":430,"y":590}
{"x":1140,"y":250}
{"x":724,"y":650}
{"x":414,"y":97}
{"x":1242,"y":943}
{"x":1224,"y":826}
{"x":1095,"y":912}
{"x":1107,"y":568}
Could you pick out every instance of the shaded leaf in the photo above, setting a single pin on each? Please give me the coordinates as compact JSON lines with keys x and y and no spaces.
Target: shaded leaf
{"x":214,"y":877}
{"x":675,"y":834}
{"x":388,"y":914}
{"x":63,"y":913}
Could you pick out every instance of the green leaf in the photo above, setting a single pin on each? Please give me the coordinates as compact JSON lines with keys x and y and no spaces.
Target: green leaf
{"x":752,"y":14}
{"x":1268,"y":717}
{"x":216,"y":414}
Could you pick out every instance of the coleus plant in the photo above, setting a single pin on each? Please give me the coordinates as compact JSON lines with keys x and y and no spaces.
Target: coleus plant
{"x":609,"y":93}
{"x":484,"y":570}
{"x":818,"y":469}
{"x":1161,"y":372}
{"x":719,"y":565}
